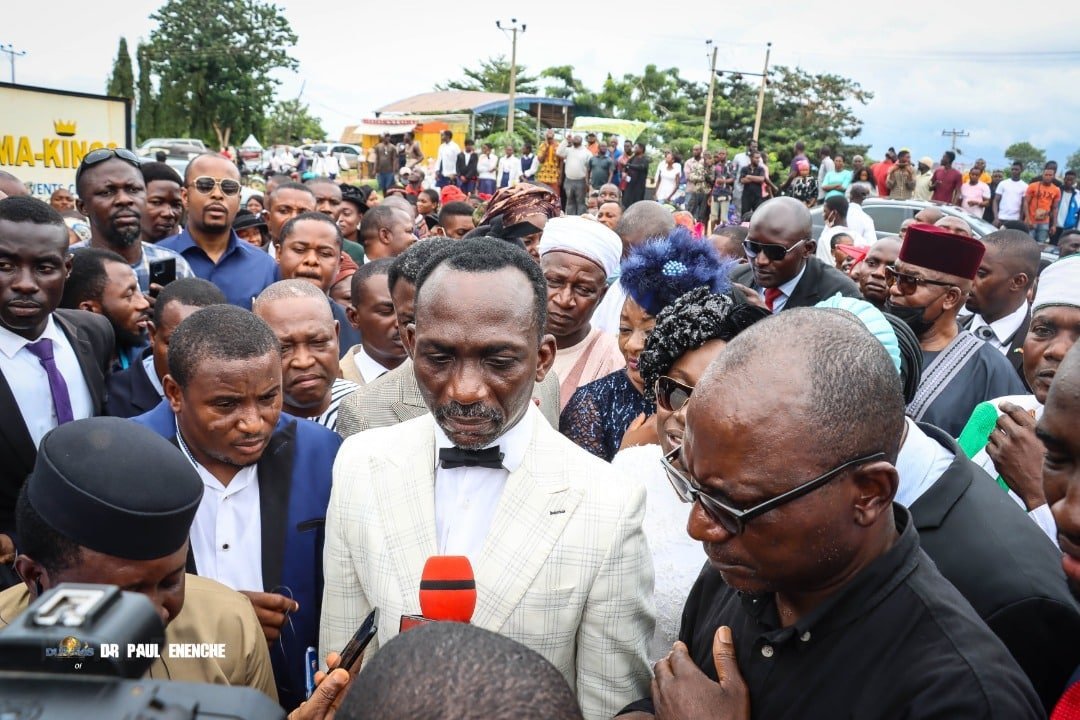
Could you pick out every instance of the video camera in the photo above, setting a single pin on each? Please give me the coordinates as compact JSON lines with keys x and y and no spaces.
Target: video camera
{"x":61,"y":658}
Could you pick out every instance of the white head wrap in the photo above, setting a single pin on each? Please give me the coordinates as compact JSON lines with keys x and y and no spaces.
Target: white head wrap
{"x":1059,"y":284}
{"x":587,"y":238}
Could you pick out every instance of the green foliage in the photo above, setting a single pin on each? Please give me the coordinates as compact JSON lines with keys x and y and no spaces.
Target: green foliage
{"x":146,"y":110}
{"x":1032,"y":157}
{"x":493,"y":75}
{"x":290,"y":122}
{"x":213,"y":60}
{"x":122,"y":80}
{"x":1073,"y":163}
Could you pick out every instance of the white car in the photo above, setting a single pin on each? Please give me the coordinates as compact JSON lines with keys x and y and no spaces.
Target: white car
{"x":351,"y":153}
{"x":149,"y":146}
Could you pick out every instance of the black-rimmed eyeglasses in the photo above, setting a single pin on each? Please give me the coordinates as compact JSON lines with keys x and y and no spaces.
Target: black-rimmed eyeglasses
{"x":732,"y":519}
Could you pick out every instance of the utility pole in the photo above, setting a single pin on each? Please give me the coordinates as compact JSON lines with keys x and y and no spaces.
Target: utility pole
{"x":12,"y":53}
{"x":954,"y":133}
{"x":513,"y":69}
{"x":709,"y":99}
{"x":761,"y":92}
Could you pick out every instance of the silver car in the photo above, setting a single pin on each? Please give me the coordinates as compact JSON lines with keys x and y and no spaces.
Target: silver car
{"x":888,"y":215}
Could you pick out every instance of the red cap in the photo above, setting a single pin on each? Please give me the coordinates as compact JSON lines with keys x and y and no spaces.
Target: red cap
{"x":937,"y":249}
{"x":858,"y":254}
{"x":451,"y":193}
{"x":448,"y":588}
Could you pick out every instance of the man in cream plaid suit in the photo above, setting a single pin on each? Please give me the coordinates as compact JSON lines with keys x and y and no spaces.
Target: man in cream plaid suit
{"x":553,"y":534}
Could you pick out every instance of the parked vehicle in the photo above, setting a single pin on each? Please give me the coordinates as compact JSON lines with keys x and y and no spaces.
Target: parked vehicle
{"x":351,"y":153}
{"x":149,"y":147}
{"x":888,"y":215}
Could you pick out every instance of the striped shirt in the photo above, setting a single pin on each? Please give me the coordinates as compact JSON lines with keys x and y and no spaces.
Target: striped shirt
{"x":150,"y":254}
{"x":338,"y":391}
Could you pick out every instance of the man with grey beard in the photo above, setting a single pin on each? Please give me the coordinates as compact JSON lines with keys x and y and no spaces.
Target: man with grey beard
{"x":112,"y":194}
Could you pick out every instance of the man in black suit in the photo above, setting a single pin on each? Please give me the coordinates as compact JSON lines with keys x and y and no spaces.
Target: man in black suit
{"x":782,"y":267}
{"x":999,"y":560}
{"x":53,"y":362}
{"x":466,"y":168}
{"x":999,"y":293}
{"x":138,"y":389}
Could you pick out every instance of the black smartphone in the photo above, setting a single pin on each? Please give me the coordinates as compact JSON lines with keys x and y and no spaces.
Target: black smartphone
{"x":162,"y":272}
{"x":354,"y":651}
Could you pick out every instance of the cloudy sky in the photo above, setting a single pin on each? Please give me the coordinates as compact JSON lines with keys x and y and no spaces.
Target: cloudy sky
{"x":932,"y":65}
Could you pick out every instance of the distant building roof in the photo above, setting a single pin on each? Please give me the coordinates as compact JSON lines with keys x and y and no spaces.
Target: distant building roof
{"x":448,"y":101}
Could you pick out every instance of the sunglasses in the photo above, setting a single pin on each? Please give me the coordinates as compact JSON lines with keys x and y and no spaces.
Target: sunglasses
{"x":206,"y":185}
{"x":775,"y":253}
{"x":732,"y":519}
{"x":96,"y":157}
{"x":908,"y":284}
{"x":671,"y":394}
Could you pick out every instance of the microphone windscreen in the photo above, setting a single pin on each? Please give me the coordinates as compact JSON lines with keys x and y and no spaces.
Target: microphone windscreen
{"x":982,"y":422}
{"x":448,"y":589}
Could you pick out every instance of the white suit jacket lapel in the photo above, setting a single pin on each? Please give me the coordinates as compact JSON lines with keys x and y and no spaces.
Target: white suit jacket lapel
{"x":407,"y":501}
{"x":535,"y":507}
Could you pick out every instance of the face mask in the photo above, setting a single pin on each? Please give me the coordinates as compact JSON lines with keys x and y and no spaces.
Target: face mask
{"x":913,"y":317}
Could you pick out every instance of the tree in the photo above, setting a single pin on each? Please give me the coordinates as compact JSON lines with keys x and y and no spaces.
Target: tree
{"x":493,"y":75}
{"x":567,"y":87}
{"x":213,"y":59}
{"x":122,"y":79}
{"x":1073,"y":163}
{"x":146,"y":108}
{"x":1032,"y":157}
{"x":291,"y":123}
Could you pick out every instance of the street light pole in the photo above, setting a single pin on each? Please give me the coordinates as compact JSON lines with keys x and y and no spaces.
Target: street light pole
{"x":12,"y":53}
{"x":513,"y":70}
{"x":709,"y":98}
{"x":761,"y":92}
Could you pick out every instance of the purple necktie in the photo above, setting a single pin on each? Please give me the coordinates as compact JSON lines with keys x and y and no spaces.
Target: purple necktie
{"x":43,"y":349}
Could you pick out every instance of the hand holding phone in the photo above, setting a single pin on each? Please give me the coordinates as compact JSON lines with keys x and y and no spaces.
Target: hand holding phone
{"x":354,"y":650}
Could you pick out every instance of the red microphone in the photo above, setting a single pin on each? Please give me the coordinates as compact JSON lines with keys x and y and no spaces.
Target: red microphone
{"x":447,"y":592}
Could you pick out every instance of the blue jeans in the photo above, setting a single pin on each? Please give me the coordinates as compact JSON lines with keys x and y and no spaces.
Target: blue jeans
{"x":1041,"y":233}
{"x":386,"y":179}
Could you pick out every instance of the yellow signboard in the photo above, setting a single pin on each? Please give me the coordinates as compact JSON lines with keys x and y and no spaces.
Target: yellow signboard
{"x":44,"y":134}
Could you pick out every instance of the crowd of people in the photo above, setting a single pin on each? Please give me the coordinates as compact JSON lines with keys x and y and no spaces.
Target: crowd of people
{"x":716,"y":466}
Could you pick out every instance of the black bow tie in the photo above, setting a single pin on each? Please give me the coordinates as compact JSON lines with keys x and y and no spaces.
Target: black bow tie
{"x":455,"y":457}
{"x":984,"y":332}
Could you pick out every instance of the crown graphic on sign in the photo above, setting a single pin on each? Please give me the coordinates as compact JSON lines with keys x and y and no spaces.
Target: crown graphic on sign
{"x":65,"y":128}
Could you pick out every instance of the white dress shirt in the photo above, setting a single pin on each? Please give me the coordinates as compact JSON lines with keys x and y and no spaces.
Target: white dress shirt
{"x":510,"y":165}
{"x":226,"y":536}
{"x":448,"y":155}
{"x":29,"y":382}
{"x":860,"y":223}
{"x":466,"y":498}
{"x":485,"y":166}
{"x":785,"y":291}
{"x":148,"y":366}
{"x":1003,"y":328}
{"x":368,"y":367}
{"x":921,"y":461}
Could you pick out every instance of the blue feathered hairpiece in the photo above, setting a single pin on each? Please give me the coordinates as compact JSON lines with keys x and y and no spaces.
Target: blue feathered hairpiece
{"x":662,"y":269}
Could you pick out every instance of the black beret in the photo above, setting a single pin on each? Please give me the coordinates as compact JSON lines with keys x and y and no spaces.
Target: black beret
{"x":115,"y":487}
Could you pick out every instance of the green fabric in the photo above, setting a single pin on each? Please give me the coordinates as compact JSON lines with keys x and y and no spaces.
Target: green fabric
{"x":976,"y":434}
{"x":354,"y":250}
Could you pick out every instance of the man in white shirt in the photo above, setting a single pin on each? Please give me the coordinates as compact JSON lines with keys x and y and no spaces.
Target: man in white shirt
{"x":575,"y":170}
{"x":999,"y":294}
{"x":1009,"y":196}
{"x":266,"y":476}
{"x":860,"y":223}
{"x":553,"y":534}
{"x":740,"y":161}
{"x":509,"y":170}
{"x":53,"y":363}
{"x":827,"y":166}
{"x":372,"y":314}
{"x":446,"y":167}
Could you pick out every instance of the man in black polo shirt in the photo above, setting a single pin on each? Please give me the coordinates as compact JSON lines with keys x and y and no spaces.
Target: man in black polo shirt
{"x":817,"y":601}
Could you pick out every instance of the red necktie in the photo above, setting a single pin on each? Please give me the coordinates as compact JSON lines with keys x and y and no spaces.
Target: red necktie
{"x":1068,"y":707}
{"x":771,"y":294}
